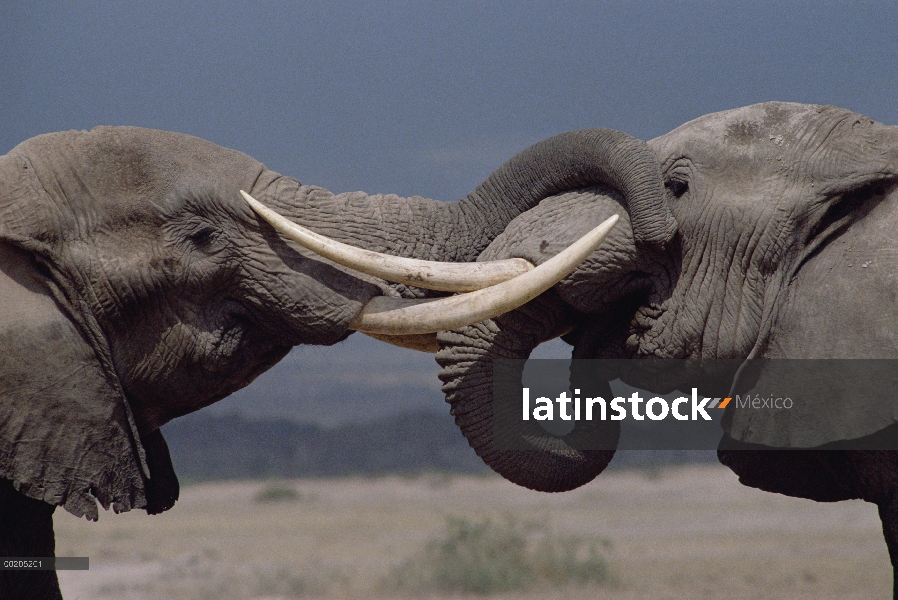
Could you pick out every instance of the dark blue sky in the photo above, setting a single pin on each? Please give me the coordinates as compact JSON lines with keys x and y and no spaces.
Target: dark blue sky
{"x":423,"y":97}
{"x":427,"y":98}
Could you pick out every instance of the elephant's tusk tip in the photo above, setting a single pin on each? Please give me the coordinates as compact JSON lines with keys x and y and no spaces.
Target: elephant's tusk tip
{"x":399,"y":316}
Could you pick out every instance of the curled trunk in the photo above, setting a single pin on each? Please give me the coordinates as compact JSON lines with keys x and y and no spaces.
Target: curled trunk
{"x":576,"y":159}
{"x":459,"y":231}
{"x":551,"y":464}
{"x":467,"y":355}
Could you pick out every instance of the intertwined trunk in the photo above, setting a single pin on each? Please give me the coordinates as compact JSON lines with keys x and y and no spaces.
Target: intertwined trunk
{"x":459,"y":231}
{"x":468,"y":354}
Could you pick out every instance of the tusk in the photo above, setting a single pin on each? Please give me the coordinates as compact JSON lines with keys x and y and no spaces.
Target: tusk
{"x":383,"y":315}
{"x":425,"y":342}
{"x":432,"y":275}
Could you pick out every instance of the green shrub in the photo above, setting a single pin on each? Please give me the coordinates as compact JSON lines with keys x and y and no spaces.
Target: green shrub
{"x":486,"y":557}
{"x":277,"y":492}
{"x":300,"y":581}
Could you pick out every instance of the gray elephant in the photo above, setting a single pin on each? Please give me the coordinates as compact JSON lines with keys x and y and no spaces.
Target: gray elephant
{"x":768,"y":199}
{"x":138,"y":286}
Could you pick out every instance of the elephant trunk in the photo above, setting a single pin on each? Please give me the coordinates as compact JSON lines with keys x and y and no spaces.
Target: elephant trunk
{"x":468,"y":355}
{"x":459,"y":231}
{"x":572,"y":160}
{"x":518,"y":450}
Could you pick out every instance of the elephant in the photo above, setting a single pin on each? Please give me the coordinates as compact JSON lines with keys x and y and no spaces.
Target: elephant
{"x":137,"y":286}
{"x":768,"y":200}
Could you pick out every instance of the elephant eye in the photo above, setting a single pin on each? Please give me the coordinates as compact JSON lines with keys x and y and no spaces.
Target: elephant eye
{"x":202,"y":236}
{"x":677,"y":187}
{"x":677,"y":177}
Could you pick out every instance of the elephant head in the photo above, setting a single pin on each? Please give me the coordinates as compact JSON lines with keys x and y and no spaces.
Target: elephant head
{"x":137,"y":285}
{"x":761,"y":196}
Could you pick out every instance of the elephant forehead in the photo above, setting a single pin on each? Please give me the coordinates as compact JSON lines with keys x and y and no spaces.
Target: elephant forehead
{"x":111,"y":172}
{"x":759,"y":126}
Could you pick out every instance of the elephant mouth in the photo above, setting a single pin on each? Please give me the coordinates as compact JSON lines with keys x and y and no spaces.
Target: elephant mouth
{"x":490,"y":288}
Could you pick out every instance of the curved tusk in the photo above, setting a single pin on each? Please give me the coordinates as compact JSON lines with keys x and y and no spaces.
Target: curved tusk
{"x":425,"y":342}
{"x":432,"y":275}
{"x":383,"y":315}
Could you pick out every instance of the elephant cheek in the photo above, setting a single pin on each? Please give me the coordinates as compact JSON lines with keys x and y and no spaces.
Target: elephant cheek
{"x":518,"y":450}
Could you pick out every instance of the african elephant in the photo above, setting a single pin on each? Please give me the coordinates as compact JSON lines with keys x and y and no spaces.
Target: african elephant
{"x":137,"y":286}
{"x":768,"y":201}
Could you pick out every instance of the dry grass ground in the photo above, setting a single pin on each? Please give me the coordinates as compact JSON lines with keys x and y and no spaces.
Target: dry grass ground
{"x":690,"y":532}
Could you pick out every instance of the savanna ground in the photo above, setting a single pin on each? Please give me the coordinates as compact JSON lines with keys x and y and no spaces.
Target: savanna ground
{"x":687,"y":532}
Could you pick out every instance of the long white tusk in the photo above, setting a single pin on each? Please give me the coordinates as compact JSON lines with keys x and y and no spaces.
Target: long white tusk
{"x":383,"y":315}
{"x":433,"y":275}
{"x":425,"y":342}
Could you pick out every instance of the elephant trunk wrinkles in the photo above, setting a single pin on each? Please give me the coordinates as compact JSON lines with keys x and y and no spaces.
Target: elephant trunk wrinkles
{"x":564,"y":162}
{"x":466,"y":357}
{"x":576,"y":159}
{"x":459,"y":231}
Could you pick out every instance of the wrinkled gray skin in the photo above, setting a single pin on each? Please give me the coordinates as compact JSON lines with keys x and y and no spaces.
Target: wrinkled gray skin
{"x":137,"y":286}
{"x":768,"y":200}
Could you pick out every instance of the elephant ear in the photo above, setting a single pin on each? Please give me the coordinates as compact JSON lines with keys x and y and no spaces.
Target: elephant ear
{"x":838,"y":302}
{"x":67,"y":436}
